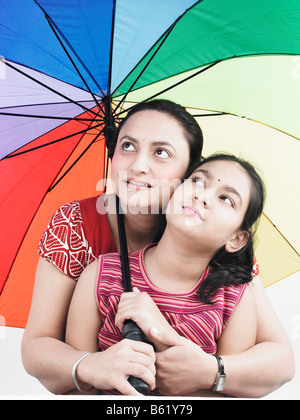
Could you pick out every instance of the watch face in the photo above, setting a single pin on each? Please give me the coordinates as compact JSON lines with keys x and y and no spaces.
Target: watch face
{"x":221,"y":384}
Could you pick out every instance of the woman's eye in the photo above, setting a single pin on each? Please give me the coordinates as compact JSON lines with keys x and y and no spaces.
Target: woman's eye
{"x":227,"y":200}
{"x":128,"y":146}
{"x":162,"y":153}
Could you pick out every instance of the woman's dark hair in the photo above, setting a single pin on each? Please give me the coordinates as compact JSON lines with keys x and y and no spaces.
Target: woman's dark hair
{"x":192,"y":131}
{"x":234,"y":268}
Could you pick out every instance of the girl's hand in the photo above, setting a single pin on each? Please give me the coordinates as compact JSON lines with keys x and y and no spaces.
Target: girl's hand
{"x":140,"y":308}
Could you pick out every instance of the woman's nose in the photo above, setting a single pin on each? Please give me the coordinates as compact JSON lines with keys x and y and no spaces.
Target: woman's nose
{"x":140,"y":163}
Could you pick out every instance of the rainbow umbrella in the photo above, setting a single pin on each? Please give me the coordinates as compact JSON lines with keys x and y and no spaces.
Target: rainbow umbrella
{"x":69,"y":70}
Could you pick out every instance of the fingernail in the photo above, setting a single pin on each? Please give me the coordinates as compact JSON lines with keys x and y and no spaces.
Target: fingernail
{"x":154,"y":330}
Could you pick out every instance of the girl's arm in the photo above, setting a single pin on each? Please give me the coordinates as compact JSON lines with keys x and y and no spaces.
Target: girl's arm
{"x":84,"y":322}
{"x":111,"y":368}
{"x":240,"y":333}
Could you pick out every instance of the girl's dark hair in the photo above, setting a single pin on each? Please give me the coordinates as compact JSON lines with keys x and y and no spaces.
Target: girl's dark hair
{"x":234,"y":268}
{"x":192,"y":131}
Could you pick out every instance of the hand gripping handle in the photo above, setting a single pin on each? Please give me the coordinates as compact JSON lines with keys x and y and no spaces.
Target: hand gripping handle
{"x":132,"y":331}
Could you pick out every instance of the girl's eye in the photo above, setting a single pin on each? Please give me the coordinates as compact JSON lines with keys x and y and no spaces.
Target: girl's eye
{"x":199,"y":181}
{"x":162,"y":153}
{"x":128,"y":146}
{"x":227,"y":200}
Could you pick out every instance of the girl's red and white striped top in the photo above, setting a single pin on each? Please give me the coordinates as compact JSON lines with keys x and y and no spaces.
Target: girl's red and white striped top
{"x":192,"y":318}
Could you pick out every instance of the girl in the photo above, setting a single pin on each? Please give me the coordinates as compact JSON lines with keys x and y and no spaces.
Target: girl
{"x":194,"y":279}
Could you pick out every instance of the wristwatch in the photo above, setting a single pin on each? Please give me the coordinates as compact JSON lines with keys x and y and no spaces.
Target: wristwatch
{"x":220,"y":380}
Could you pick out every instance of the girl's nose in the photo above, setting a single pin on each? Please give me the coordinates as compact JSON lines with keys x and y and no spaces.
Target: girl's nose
{"x":204,"y":201}
{"x":206,"y":198}
{"x":202,"y":195}
{"x":198,"y":192}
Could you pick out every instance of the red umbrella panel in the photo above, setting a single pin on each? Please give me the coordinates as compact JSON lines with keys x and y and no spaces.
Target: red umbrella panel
{"x":23,"y":225}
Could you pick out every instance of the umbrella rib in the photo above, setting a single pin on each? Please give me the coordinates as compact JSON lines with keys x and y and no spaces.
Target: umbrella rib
{"x":52,"y":142}
{"x":74,"y":163}
{"x":49,"y":88}
{"x":147,"y":64}
{"x":50,"y":117}
{"x":111,"y":46}
{"x":184,"y":80}
{"x":164,"y":38}
{"x":175,"y":84}
{"x":109,"y":121}
{"x":5,"y":111}
{"x":54,"y":28}
{"x":57,"y":31}
{"x":283,"y":237}
{"x":216,"y":114}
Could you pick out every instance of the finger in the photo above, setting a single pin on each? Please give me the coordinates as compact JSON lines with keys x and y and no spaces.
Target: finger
{"x":126,"y":389}
{"x":144,"y":348}
{"x":137,"y":346}
{"x":119,"y":320}
{"x":144,"y":360}
{"x":124,"y":297}
{"x":140,"y":371}
{"x":126,"y":312}
{"x":123,"y":312}
{"x":169,"y":338}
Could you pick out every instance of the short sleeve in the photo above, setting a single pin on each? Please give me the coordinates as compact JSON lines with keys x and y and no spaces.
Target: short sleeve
{"x":63,"y":242}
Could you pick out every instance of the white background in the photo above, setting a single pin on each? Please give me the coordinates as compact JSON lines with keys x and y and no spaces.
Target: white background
{"x":284,"y":296}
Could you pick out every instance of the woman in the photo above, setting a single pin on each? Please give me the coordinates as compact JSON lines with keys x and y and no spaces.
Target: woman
{"x":157,"y":140}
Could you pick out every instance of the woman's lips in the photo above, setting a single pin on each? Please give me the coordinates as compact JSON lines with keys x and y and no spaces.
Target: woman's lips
{"x":138,"y":185}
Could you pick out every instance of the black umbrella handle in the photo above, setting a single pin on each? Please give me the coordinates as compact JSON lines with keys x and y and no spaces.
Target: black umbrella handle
{"x":131,"y":330}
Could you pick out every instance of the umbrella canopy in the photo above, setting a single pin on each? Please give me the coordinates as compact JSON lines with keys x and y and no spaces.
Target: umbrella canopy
{"x":69,"y":69}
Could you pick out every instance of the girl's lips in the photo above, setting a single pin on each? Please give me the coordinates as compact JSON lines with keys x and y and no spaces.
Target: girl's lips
{"x":193,"y":211}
